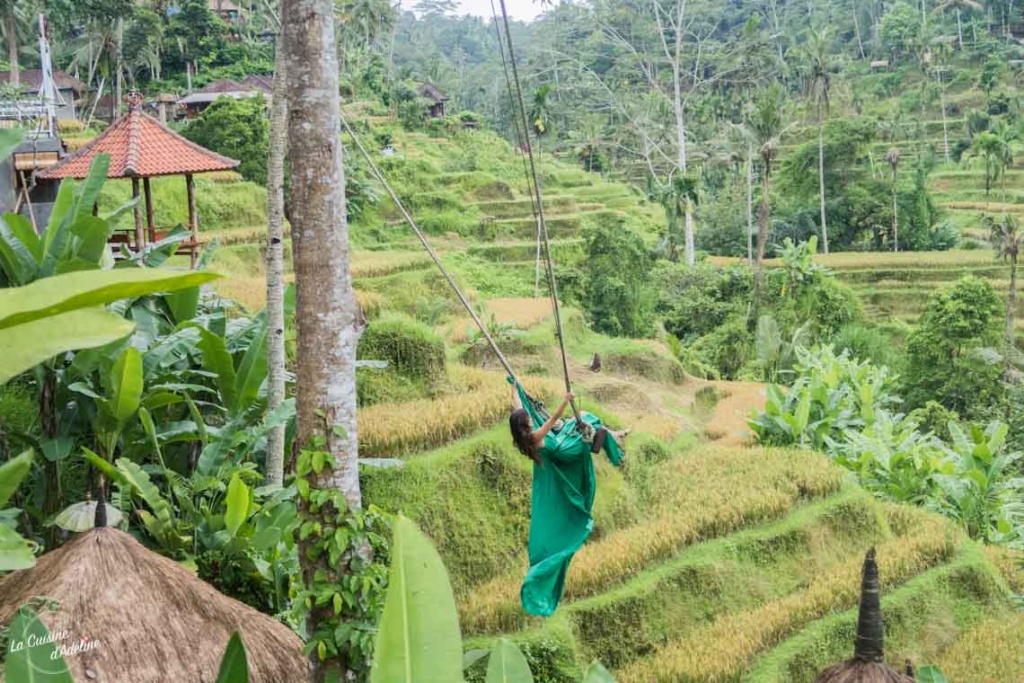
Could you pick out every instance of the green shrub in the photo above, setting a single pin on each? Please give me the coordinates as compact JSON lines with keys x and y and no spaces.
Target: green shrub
{"x":694,"y":300}
{"x":942,"y":363}
{"x":411,"y":349}
{"x":726,"y":349}
{"x":615,"y":291}
{"x":867,"y":343}
{"x":238,"y":129}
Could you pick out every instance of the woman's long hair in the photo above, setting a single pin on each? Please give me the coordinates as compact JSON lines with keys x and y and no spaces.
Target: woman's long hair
{"x":521,"y":426}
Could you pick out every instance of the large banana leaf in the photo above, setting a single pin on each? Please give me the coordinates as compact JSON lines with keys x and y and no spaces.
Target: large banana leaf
{"x":15,"y":551}
{"x":418,"y":640}
{"x":31,"y":657}
{"x":50,"y":296}
{"x":596,"y":673}
{"x":11,"y":474}
{"x":252,"y":371}
{"x":88,"y":191}
{"x":217,"y":359}
{"x":237,"y":505}
{"x":233,"y":667}
{"x":125,"y":386}
{"x":507,"y":664}
{"x":26,"y":345}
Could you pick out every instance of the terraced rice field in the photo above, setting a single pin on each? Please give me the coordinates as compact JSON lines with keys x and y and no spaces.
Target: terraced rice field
{"x":714,"y":563}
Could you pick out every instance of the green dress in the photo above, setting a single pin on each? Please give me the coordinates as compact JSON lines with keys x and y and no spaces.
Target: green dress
{"x":563,"y":497}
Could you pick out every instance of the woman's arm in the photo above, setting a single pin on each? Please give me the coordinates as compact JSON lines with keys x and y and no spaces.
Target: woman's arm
{"x":555,"y":417}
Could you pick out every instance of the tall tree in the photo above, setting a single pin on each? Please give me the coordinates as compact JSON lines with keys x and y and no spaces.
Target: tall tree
{"x":275,"y":260}
{"x":9,"y":17}
{"x":818,"y":65}
{"x":1006,"y":238}
{"x":328,"y":318}
{"x":994,"y":153}
{"x":893,"y":158}
{"x":764,"y":127}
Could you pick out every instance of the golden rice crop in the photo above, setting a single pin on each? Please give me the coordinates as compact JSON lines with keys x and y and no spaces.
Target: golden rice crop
{"x":382,"y":263}
{"x":395,"y":429}
{"x":851,"y":260}
{"x":703,"y":494}
{"x":722,"y":650}
{"x":522,"y":312}
{"x":1009,"y":563}
{"x":983,"y":206}
{"x":990,"y":653}
{"x":251,"y":292}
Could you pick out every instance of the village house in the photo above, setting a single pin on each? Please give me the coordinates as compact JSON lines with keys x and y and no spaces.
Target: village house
{"x":70,"y":90}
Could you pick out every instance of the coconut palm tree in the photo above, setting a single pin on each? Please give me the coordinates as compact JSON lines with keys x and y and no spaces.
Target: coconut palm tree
{"x":893,"y":158}
{"x":765,"y":125}
{"x":15,"y":22}
{"x":994,"y":152}
{"x":818,"y":66}
{"x":1006,"y":238}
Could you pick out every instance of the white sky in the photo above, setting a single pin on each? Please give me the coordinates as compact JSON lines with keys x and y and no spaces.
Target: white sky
{"x":523,"y":10}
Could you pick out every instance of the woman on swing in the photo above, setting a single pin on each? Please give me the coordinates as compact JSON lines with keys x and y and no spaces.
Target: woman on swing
{"x":564,"y":484}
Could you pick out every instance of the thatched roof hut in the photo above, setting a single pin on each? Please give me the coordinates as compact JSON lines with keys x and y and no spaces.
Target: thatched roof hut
{"x":868,"y":663}
{"x":154,"y":620}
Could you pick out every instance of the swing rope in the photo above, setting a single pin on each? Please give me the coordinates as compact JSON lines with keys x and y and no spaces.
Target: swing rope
{"x":539,"y":207}
{"x":522,"y":139}
{"x":379,"y":175}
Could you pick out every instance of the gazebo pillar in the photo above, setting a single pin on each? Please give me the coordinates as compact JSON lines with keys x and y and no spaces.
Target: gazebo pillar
{"x":193,"y":218}
{"x":150,"y":224}
{"x":140,"y":234}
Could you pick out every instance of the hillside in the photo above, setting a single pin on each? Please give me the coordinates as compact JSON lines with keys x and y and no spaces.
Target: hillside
{"x":711,"y":559}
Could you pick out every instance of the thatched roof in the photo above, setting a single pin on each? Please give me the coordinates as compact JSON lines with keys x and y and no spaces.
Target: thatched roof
{"x":155,"y":621}
{"x":868,"y":663}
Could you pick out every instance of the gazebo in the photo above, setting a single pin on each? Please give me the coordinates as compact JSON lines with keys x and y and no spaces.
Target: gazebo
{"x":140,"y":148}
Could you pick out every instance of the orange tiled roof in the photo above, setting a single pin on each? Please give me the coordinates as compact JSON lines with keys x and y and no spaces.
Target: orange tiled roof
{"x":140,"y":146}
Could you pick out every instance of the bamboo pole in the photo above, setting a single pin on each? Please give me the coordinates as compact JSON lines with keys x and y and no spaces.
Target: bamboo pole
{"x":140,"y":233}
{"x":193,"y":219}
{"x":148,"y":191}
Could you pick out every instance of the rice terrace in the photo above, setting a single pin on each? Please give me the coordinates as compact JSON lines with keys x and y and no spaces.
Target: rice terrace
{"x":511,"y":342}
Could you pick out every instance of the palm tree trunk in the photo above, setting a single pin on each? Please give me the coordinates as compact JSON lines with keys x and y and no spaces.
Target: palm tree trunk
{"x":275,"y":264}
{"x":750,"y":207}
{"x":959,"y":30}
{"x":1011,"y":304}
{"x":856,"y":27}
{"x":821,"y":178}
{"x":119,"y":82}
{"x":945,"y":130}
{"x":895,"y":215}
{"x":12,"y":48}
{"x":763,"y":215}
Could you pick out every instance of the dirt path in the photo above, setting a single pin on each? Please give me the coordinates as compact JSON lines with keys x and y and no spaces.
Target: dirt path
{"x":728,"y":422}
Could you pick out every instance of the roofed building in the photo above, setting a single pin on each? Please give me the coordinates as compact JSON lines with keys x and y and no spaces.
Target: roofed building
{"x":70,"y":89}
{"x":194,"y":104}
{"x":430,"y":92}
{"x":140,"y":148}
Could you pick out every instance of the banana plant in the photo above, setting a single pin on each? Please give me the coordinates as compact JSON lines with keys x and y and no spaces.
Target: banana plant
{"x":225,"y":514}
{"x":73,"y":240}
{"x":16,"y":552}
{"x":982,"y":493}
{"x":419,"y":641}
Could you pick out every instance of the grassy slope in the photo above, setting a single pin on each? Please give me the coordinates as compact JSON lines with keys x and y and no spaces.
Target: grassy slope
{"x":710,"y":560}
